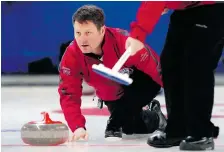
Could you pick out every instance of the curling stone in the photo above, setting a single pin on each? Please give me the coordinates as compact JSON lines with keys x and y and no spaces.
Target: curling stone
{"x":44,"y":133}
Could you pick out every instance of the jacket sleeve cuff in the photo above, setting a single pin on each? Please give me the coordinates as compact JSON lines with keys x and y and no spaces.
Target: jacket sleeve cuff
{"x":138,"y":33}
{"x":76,"y":127}
{"x":80,"y":127}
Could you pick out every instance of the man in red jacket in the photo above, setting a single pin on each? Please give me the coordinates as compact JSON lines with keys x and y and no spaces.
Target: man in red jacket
{"x":192,"y":49}
{"x":132,"y":108}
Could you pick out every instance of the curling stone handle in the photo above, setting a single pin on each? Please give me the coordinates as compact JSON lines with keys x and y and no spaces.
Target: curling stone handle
{"x":122,"y":60}
{"x":47,"y":119}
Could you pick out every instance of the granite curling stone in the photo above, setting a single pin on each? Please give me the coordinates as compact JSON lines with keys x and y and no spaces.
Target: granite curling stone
{"x":45,"y":133}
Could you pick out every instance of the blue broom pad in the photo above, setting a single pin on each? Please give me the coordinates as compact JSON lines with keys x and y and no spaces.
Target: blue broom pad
{"x":111,"y":77}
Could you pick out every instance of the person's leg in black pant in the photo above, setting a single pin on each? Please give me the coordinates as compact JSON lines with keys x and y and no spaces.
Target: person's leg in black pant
{"x":114,"y":124}
{"x":173,"y":73}
{"x":126,"y":112}
{"x":142,"y":91}
{"x":202,"y":52}
{"x":172,"y":76}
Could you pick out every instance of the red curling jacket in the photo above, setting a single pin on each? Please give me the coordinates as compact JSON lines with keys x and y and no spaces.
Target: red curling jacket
{"x":149,"y":14}
{"x":76,"y":66}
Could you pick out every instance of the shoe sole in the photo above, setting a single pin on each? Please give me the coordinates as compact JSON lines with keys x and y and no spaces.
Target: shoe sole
{"x":160,"y":146}
{"x":113,"y":138}
{"x":163,"y":145}
{"x":193,"y":147}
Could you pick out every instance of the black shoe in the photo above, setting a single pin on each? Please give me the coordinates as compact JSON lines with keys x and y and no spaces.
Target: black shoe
{"x":158,"y":139}
{"x":154,"y":106}
{"x":113,"y":133}
{"x":193,"y":144}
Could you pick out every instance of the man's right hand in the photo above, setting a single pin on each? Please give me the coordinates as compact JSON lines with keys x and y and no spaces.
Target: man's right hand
{"x":79,"y":134}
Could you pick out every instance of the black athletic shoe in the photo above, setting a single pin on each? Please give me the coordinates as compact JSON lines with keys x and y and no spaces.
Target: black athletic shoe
{"x":153,"y":116}
{"x":193,"y":144}
{"x":155,"y":106}
{"x":112,"y":132}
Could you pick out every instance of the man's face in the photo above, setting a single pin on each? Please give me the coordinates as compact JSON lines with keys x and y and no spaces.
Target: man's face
{"x":87,"y":36}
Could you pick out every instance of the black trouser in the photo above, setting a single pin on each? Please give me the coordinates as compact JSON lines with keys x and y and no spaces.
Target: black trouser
{"x":126,"y":112}
{"x":192,"y":49}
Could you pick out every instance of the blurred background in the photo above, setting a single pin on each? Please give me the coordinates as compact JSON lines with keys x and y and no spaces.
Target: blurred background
{"x":35,"y":35}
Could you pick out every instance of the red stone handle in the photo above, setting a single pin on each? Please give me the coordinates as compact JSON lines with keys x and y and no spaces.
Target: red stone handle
{"x":46,"y":120}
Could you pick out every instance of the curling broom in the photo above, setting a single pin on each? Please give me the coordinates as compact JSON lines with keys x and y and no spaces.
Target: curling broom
{"x":114,"y":74}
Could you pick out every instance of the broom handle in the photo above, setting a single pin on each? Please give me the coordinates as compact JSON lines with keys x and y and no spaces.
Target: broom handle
{"x":122,"y":60}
